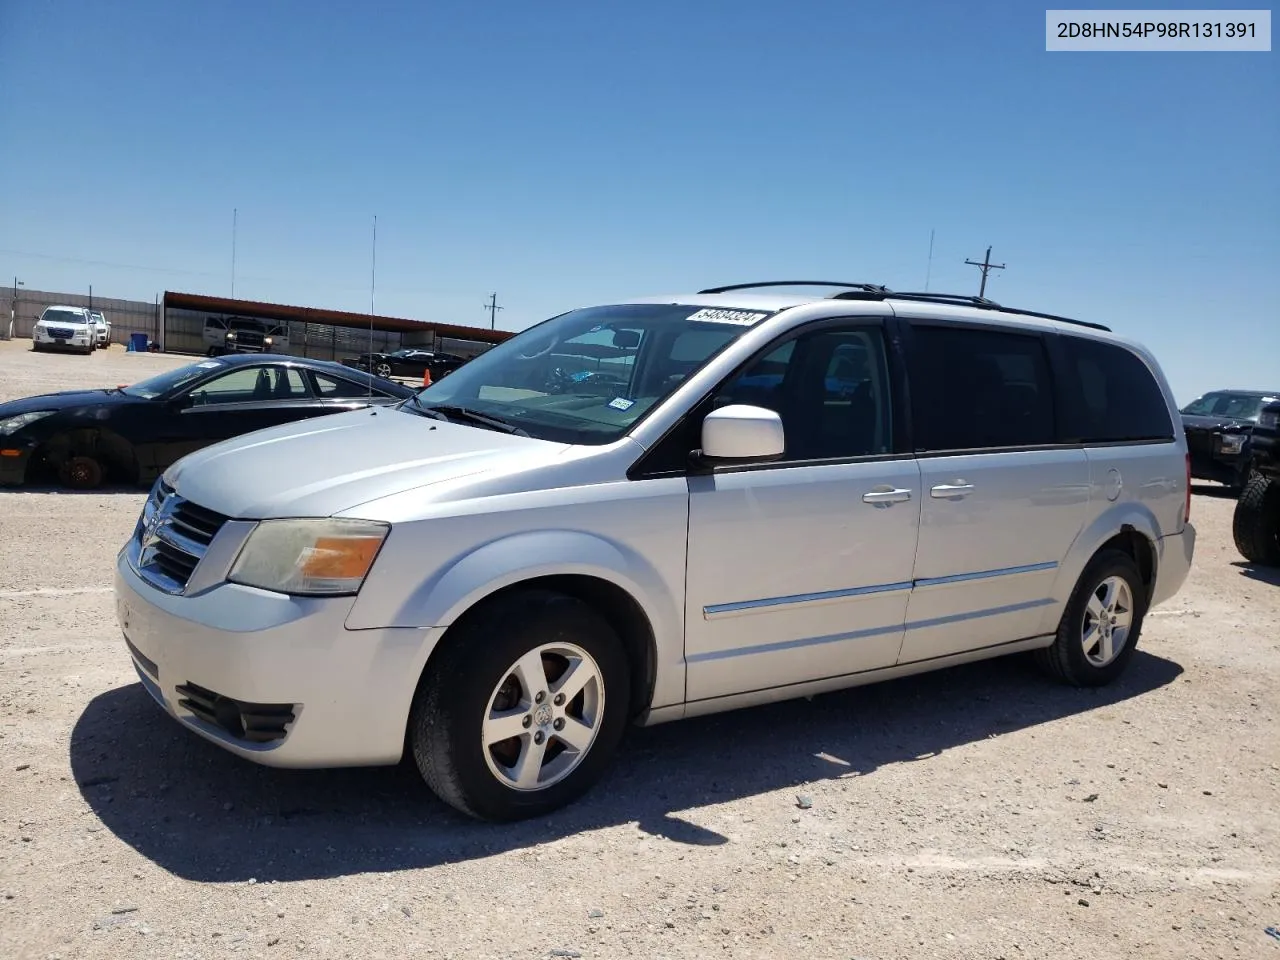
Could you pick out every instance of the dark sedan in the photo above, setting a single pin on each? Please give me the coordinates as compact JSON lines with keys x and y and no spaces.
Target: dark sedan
{"x":1218,"y":426}
{"x":407,"y":363}
{"x":130,"y":434}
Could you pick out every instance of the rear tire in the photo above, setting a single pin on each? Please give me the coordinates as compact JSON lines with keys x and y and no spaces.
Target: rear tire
{"x":1255,"y":525}
{"x":1099,"y":629}
{"x":501,"y":672}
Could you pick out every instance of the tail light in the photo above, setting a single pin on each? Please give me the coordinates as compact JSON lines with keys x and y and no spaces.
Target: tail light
{"x":1186,"y":513}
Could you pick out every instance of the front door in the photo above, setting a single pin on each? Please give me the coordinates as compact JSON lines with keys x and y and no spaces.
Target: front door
{"x":1002,"y":500}
{"x":800,"y":569}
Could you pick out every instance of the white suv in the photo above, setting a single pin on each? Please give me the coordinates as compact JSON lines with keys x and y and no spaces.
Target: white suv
{"x":64,"y":328}
{"x":101,"y":327}
{"x":657,"y":509}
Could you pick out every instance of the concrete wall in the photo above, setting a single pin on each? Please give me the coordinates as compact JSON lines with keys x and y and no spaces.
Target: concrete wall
{"x":184,"y":329}
{"x":125,"y":316}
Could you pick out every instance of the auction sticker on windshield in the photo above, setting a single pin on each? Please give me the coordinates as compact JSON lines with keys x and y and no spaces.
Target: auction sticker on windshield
{"x":744,"y":318}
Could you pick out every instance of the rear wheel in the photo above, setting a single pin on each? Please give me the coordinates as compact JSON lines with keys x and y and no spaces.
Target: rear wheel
{"x":384,"y":371}
{"x":522,"y":710}
{"x":1255,"y":525}
{"x":1099,"y":629}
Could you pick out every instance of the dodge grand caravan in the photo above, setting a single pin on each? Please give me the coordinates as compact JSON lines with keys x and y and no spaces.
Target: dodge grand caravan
{"x":657,"y":509}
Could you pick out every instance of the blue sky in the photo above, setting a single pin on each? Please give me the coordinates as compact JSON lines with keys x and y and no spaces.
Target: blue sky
{"x":570,"y":153}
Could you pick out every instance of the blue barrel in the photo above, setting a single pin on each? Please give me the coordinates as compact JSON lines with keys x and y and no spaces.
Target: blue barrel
{"x":138,"y":342}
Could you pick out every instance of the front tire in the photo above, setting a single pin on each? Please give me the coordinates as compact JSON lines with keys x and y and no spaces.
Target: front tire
{"x":81,"y":472}
{"x":1255,"y":525}
{"x":384,"y":371}
{"x":521,"y":711}
{"x":1099,"y":629}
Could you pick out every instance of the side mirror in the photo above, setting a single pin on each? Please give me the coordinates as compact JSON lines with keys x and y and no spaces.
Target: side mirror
{"x":741,"y":434}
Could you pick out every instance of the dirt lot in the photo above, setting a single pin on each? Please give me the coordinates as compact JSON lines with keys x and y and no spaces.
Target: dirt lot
{"x":981,"y":812}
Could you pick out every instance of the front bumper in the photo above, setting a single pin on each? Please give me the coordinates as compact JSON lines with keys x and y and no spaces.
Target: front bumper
{"x":1228,"y":468}
{"x":1175,"y":554}
{"x":335,"y":697}
{"x":14,"y":457}
{"x":43,"y":338}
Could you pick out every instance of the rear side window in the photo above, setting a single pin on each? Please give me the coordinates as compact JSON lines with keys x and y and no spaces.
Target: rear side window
{"x":1116,"y":398}
{"x":979,"y":390}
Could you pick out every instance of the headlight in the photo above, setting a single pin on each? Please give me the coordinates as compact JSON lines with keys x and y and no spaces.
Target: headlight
{"x":318,"y":557}
{"x":1232,"y":442}
{"x":231,"y":336}
{"x":1269,"y":421}
{"x":11,"y":425}
{"x":267,"y":341}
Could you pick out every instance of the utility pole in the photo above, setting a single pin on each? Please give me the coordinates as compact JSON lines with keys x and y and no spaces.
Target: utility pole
{"x":91,"y":296}
{"x":493,"y":308}
{"x":13,"y":307}
{"x":986,"y":266}
{"x":235,"y":213}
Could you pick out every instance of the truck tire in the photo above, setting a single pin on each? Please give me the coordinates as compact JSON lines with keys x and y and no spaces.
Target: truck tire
{"x":1256,"y":522}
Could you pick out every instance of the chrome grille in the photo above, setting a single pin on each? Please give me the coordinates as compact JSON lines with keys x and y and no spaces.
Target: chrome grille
{"x":173,"y":535}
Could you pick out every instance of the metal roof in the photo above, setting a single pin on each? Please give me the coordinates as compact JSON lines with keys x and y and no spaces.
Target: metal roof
{"x":336,"y":318}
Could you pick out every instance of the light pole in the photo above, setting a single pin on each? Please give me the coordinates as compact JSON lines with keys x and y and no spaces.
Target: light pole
{"x":13,"y":307}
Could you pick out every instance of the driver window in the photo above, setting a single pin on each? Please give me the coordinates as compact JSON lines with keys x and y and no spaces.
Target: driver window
{"x":251,"y":385}
{"x":831,"y":389}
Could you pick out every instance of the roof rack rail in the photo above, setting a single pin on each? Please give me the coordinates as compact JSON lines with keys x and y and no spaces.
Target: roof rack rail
{"x":868,"y":287}
{"x":981,"y":303}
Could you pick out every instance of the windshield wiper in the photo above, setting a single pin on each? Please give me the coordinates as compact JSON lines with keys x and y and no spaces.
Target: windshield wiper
{"x":454,"y":412}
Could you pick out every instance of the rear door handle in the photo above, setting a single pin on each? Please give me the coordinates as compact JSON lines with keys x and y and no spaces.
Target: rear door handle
{"x":951,"y":491}
{"x":891,"y":495}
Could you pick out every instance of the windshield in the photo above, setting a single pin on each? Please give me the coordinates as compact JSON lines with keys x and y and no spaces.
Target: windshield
{"x":587,"y":376}
{"x":155,"y":386}
{"x":62,"y":316}
{"x":1238,"y":406}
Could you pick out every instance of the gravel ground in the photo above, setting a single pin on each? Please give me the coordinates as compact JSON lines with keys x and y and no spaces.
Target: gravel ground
{"x":979,"y":812}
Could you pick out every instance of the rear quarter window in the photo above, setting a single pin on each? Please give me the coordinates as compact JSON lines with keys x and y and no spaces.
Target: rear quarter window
{"x":1112,"y":396}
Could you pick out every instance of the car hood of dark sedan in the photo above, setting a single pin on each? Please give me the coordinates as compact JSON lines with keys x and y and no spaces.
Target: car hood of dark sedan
{"x":1198,"y":422}
{"x":319,"y":467}
{"x":66,"y":400}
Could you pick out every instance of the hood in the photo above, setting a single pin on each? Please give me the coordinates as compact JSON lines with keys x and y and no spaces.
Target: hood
{"x":66,"y":400}
{"x":1197,"y":422}
{"x":319,"y":467}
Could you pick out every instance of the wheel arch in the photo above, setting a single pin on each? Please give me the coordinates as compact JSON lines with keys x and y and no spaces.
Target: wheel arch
{"x":623,"y":612}
{"x":1131,"y":529}
{"x":116,"y":453}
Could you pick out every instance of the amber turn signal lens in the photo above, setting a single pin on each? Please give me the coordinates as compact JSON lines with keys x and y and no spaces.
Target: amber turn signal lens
{"x":340,"y":558}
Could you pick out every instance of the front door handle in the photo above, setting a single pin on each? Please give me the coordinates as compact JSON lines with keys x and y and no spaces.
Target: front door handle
{"x":951,"y":491}
{"x":886,"y":495}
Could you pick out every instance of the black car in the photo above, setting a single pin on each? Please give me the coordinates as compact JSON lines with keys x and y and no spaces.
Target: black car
{"x":130,"y":434}
{"x":1218,"y":427}
{"x":407,"y":363}
{"x":1256,"y":522}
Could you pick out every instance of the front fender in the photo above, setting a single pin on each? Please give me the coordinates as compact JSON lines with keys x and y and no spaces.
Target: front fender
{"x":443,"y":595}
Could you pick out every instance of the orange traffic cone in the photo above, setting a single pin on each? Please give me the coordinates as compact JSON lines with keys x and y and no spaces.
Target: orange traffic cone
{"x":426,"y":378}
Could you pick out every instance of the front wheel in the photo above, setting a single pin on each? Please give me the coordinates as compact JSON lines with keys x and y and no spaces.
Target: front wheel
{"x":384,"y":371}
{"x":1099,"y":629}
{"x":521,"y":711}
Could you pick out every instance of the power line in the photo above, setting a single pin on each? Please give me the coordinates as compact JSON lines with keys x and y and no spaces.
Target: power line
{"x":493,"y":308}
{"x":987,"y":266}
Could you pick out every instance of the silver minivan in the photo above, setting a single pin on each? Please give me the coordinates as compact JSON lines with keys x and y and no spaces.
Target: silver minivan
{"x":651,"y":510}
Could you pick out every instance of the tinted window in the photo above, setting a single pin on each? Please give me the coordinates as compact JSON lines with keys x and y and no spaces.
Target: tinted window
{"x":340,"y":388}
{"x":1117,"y":397}
{"x":831,"y":389}
{"x":979,"y":389}
{"x":251,"y":385}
